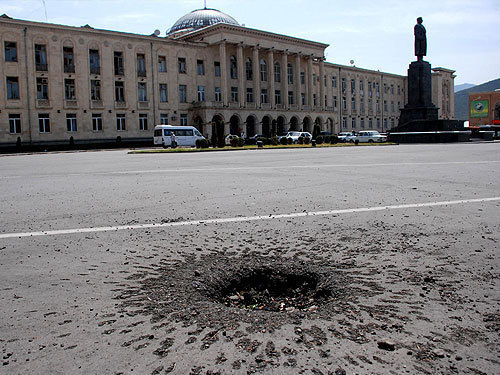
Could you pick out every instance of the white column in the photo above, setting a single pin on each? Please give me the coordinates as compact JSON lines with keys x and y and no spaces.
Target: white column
{"x":256,"y":78}
{"x":270,"y":63}
{"x":223,"y":72}
{"x":298,"y":97}
{"x":309,"y":81}
{"x":322,"y":83}
{"x":284,"y":80}
{"x":241,"y":76}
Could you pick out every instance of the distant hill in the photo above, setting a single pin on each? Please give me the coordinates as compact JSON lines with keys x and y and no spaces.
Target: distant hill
{"x":462,"y":97}
{"x":464,"y":86}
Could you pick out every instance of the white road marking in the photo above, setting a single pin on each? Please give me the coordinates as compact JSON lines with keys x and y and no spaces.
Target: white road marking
{"x":256,"y":167}
{"x":241,"y":219}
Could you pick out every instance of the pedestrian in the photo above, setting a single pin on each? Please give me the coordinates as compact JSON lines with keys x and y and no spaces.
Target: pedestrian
{"x":173,"y":141}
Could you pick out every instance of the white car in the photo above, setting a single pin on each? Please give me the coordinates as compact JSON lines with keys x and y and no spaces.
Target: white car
{"x":294,"y":136}
{"x":346,"y":137}
{"x":228,"y":139}
{"x":370,"y":136}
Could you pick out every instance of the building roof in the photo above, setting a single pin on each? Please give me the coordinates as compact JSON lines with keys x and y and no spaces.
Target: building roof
{"x":200,"y":18}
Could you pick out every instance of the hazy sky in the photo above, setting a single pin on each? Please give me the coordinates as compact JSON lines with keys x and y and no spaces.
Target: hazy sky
{"x":462,"y":35}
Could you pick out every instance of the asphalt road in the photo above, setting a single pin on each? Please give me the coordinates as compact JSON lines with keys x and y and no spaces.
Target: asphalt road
{"x":59,"y":311}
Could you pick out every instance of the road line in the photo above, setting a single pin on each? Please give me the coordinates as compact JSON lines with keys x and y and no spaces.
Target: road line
{"x":257,"y":167}
{"x":241,"y":219}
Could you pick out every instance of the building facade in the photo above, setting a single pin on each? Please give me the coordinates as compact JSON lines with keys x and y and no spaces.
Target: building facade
{"x":484,"y":108}
{"x":65,"y":84}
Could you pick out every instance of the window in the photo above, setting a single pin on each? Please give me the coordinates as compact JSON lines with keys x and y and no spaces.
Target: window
{"x":377,"y":88}
{"x":163,"y":93}
{"x":118,"y":63}
{"x":370,"y":123}
{"x":362,"y":104}
{"x":42,"y":88}
{"x":234,"y":94}
{"x":326,"y":101}
{"x":392,"y":107}
{"x":69,"y":89}
{"x":10,"y":51}
{"x":95,"y":89}
{"x":141,"y":65}
{"x":314,"y":100}
{"x":68,"y":60}
{"x":217,"y":68}
{"x":182,"y":94}
{"x":335,"y":103}
{"x":353,"y":123}
{"x":12,"y":88}
{"x":71,"y":122}
{"x":361,"y":87}
{"x":378,"y":123}
{"x":303,"y":98}
{"x":95,"y":65}
{"x":249,"y":95}
{"x":263,"y":96}
{"x":289,"y":71}
{"x":290,"y":98}
{"x":370,"y":93}
{"x":200,"y":67}
{"x":162,"y":64}
{"x":344,"y":86}
{"x":15,"y":123}
{"x":378,"y":105}
{"x":43,"y":123}
{"x":344,"y":123}
{"x":40,"y":57}
{"x":362,"y":123}
{"x":201,"y":93}
{"x":314,"y":79}
{"x":392,"y":123}
{"x":277,"y":96}
{"x":385,"y":123}
{"x":353,"y":87}
{"x":399,"y":90}
{"x":344,"y":103}
{"x":334,"y":82}
{"x":277,"y":72}
{"x":233,"y":67}
{"x":142,"y":94}
{"x":385,"y":105}
{"x":120,"y":122}
{"x":119,"y":91}
{"x":263,"y":70}
{"x":324,"y":79}
{"x":302,"y":78}
{"x":183,"y":119}
{"x":249,"y":69}
{"x":181,"y":63}
{"x":164,"y":118}
{"x":218,"y":94}
{"x":143,"y":121}
{"x":392,"y":89}
{"x":96,"y":122}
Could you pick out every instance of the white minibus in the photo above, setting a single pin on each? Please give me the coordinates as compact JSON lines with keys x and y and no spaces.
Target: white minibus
{"x":184,"y":135}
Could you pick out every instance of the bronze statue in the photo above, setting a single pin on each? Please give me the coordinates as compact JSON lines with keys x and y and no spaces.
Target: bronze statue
{"x":420,"y":40}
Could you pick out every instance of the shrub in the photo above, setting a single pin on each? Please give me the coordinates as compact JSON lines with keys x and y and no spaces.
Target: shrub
{"x":264,"y":140}
{"x":290,"y":141}
{"x":319,"y":139}
{"x":283,"y":141}
{"x":334,"y":139}
{"x":307,"y":140}
{"x":274,"y":141}
{"x":235,"y":142}
{"x":202,"y":143}
{"x":300,"y":140}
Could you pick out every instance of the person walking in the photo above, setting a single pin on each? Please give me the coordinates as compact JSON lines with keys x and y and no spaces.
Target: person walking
{"x":173,"y":140}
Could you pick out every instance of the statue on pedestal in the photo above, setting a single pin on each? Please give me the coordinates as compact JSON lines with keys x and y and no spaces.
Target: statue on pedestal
{"x":420,"y":40}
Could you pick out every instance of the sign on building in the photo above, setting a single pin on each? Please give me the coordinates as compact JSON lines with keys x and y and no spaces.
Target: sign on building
{"x":479,"y":108}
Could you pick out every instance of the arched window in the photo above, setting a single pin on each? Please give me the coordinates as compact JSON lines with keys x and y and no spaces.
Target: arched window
{"x":233,"y":67}
{"x":249,"y":69}
{"x":290,"y":74}
{"x":263,"y":70}
{"x":277,"y":72}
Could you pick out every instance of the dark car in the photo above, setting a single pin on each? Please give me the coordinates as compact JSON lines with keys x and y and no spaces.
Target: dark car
{"x":253,"y":139}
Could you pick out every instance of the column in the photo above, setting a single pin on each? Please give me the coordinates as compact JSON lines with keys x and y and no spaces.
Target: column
{"x":223,"y":73}
{"x":309,"y":81}
{"x":298,"y":96}
{"x":256,"y":77}
{"x":284,"y":80}
{"x":241,"y":76}
{"x":270,"y":64}
{"x":322,"y":83}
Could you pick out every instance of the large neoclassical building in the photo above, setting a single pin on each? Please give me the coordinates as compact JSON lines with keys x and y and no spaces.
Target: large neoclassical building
{"x":65,"y":84}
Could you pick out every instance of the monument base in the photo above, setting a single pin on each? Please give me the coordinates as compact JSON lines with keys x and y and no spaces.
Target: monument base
{"x":430,"y":131}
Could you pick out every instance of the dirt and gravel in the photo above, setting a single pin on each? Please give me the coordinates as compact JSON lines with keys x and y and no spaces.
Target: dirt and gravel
{"x":399,"y":291}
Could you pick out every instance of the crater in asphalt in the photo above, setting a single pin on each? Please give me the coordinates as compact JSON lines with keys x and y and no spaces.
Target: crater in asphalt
{"x":272,"y":289}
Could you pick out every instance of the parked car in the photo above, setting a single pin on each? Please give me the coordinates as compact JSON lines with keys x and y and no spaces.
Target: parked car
{"x":229,"y":137}
{"x":324,"y":134}
{"x":295,"y":136}
{"x":253,"y":139}
{"x":370,"y":136}
{"x":346,"y":137}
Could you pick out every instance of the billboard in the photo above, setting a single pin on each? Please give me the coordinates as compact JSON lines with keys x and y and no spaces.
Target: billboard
{"x":479,"y":108}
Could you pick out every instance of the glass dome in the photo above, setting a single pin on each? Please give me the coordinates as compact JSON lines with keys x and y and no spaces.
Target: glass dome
{"x":200,"y":18}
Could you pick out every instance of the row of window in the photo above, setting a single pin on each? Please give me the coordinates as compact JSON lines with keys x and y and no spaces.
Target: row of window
{"x":362,"y":123}
{"x":97,"y":123}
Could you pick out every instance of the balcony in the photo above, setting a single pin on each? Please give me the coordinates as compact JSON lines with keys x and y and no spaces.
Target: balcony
{"x":41,"y":67}
{"x":207,"y":104}
{"x":306,"y":107}
{"x":42,"y":103}
{"x":96,"y":104}
{"x":265,"y":106}
{"x":280,"y":106}
{"x":143,"y":105}
{"x":95,"y":70}
{"x":70,"y":103}
{"x":141,"y":73}
{"x":330,"y":108}
{"x":121,"y":104}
